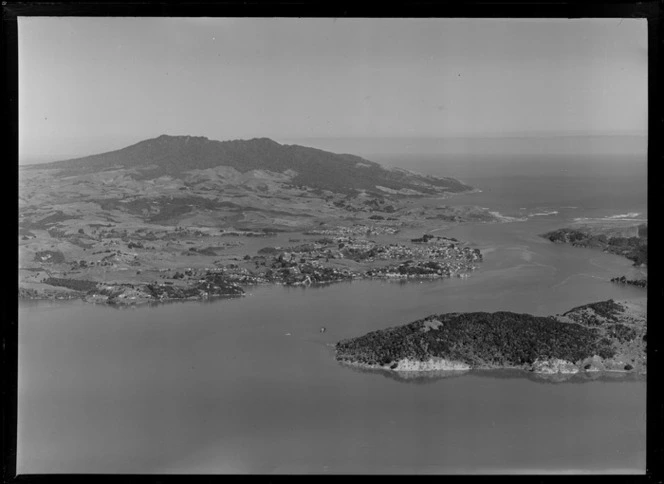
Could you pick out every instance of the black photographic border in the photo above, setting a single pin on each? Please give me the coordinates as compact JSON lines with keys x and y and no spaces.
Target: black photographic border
{"x":652,"y":10}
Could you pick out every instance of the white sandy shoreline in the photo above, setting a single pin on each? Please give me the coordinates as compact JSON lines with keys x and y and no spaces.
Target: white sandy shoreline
{"x":434,"y":365}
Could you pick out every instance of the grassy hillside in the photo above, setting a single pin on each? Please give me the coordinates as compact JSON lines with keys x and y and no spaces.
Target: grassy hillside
{"x":318,"y":169}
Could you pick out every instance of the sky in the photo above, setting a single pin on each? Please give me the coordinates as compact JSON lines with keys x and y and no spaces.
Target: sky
{"x":89,"y":85}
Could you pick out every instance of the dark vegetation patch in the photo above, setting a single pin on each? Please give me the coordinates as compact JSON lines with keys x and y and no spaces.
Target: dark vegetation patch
{"x":621,"y":332}
{"x":609,"y":310}
{"x":269,"y":251}
{"x":171,"y":207}
{"x":209,"y":251}
{"x":96,"y":225}
{"x":211,"y":285}
{"x":424,"y":239}
{"x":57,"y":233}
{"x":633,"y":248}
{"x":158,"y":209}
{"x":75,"y":284}
{"x":158,"y":291}
{"x":46,"y":222}
{"x":28,"y":293}
{"x":478,"y":339}
{"x":111,"y":292}
{"x":80,"y":242}
{"x":301,"y":248}
{"x":630,"y":282}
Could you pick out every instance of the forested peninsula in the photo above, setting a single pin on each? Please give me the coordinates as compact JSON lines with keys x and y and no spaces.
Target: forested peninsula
{"x":602,"y":336}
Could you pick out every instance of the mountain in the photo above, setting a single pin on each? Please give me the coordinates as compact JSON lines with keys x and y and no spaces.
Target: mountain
{"x":174,"y":156}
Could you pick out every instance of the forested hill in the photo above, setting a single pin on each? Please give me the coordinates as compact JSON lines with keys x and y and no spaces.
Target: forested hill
{"x":310,"y":167}
{"x":596,"y":336}
{"x":635,"y":248}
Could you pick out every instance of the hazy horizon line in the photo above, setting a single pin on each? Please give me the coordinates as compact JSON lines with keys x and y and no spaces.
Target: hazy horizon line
{"x":630,"y":134}
{"x":38,"y":158}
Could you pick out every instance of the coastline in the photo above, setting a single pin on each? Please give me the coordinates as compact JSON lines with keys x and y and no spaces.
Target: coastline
{"x":440,"y":365}
{"x":499,"y":372}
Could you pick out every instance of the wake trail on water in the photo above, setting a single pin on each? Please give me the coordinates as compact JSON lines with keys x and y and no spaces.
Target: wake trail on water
{"x":567,"y":279}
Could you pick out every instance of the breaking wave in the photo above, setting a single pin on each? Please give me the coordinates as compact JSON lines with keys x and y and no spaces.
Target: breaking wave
{"x":628,"y":217}
{"x":505,"y":218}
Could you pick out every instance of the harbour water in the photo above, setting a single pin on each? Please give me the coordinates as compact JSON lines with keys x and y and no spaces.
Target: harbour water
{"x":250,"y":385}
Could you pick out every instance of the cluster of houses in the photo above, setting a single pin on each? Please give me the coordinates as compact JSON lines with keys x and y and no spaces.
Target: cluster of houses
{"x":322,"y":261}
{"x":424,"y":269}
{"x":355,"y":230}
{"x":360,"y":249}
{"x":310,"y":263}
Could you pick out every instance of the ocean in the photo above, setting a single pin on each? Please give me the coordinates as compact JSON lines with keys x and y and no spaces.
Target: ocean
{"x":573,"y":186}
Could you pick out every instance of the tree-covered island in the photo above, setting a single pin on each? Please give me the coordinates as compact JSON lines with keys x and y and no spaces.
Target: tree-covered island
{"x":603,"y":336}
